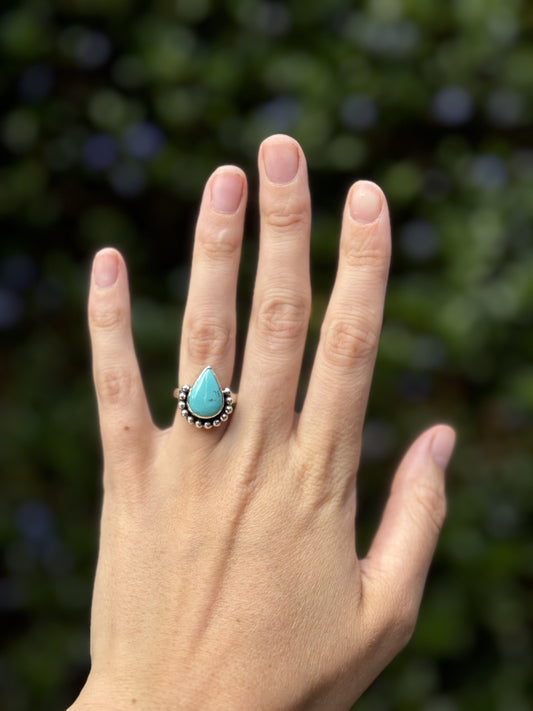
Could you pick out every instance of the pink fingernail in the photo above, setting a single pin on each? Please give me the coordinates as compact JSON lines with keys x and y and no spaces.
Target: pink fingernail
{"x":105,"y":268}
{"x":442,"y":446}
{"x":366,"y":202}
{"x":281,"y":160}
{"x":226,"y":192}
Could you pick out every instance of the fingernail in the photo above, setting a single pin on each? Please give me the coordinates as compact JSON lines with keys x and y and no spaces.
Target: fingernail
{"x":442,"y":446}
{"x":366,"y":202}
{"x":226,"y":192}
{"x":281,"y":161}
{"x":105,"y":268}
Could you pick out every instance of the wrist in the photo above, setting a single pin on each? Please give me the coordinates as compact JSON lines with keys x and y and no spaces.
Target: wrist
{"x":105,"y":696}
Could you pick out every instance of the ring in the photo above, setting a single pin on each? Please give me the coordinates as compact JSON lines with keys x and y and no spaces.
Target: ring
{"x":205,"y":404}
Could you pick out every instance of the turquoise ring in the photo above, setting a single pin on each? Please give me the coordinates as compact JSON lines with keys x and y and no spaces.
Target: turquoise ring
{"x":205,"y":404}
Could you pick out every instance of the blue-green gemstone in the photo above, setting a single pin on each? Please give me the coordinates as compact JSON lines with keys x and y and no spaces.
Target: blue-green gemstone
{"x":205,"y":398}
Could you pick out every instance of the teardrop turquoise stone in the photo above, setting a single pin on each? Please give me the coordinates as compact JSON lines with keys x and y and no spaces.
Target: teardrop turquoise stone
{"x":205,"y":398}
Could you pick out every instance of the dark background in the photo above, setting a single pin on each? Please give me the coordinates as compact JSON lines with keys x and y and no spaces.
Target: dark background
{"x":114,"y":112}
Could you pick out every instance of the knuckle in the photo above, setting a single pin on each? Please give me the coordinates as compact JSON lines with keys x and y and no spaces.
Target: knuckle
{"x":373,"y":257}
{"x":403,"y":623}
{"x":283,"y":319}
{"x":219,"y":244}
{"x":429,"y":501}
{"x":207,"y":339}
{"x":392,"y":618}
{"x":347,"y":341}
{"x":290,"y":217}
{"x":115,"y":385}
{"x":106,"y":317}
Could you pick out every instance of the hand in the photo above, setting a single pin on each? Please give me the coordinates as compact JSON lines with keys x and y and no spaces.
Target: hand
{"x":227,"y":575}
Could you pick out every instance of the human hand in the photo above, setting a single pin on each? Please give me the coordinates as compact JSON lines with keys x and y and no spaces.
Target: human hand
{"x":227,"y":574}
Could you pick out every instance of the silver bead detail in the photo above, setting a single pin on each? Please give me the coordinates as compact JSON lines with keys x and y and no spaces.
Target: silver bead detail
{"x":216,"y":423}
{"x":208,"y":425}
{"x":229,"y":400}
{"x":182,"y":396}
{"x":184,"y":413}
{"x":185,"y":388}
{"x":199,"y":424}
{"x":223,"y":417}
{"x":190,"y":419}
{"x":181,"y":405}
{"x":228,"y":409}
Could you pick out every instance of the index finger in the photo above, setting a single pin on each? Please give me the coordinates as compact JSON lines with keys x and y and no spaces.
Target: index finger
{"x":336,"y":399}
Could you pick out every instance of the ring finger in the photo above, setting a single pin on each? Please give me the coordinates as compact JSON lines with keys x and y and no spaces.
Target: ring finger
{"x":209,"y":322}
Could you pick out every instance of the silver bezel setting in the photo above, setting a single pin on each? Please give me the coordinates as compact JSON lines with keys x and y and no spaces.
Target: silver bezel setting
{"x":206,"y":423}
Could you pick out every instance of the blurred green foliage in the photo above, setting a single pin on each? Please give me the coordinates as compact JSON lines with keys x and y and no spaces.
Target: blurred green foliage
{"x":113,"y":115}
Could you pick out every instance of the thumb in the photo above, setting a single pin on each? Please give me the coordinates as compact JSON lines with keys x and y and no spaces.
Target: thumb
{"x":403,"y":547}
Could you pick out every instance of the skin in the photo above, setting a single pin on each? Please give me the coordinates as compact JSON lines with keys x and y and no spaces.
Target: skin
{"x":227,"y":575}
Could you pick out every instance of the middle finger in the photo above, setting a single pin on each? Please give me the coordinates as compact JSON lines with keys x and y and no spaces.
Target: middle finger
{"x":282,"y":296}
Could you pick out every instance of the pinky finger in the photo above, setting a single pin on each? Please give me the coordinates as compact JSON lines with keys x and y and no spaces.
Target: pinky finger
{"x":126,"y":425}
